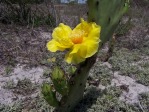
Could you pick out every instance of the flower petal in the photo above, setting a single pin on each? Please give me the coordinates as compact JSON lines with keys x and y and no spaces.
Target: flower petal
{"x":73,"y":58}
{"x":53,"y":46}
{"x":84,"y":26}
{"x":94,"y":33}
{"x":62,"y":31}
{"x":92,"y":30}
{"x":75,"y":48}
{"x":61,"y":35}
{"x":88,"y":48}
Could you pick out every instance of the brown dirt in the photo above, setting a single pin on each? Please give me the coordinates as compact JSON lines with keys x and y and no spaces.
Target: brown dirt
{"x":23,"y":45}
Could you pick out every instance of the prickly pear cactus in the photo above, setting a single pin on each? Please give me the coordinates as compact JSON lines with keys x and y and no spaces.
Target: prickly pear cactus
{"x":60,"y":86}
{"x":49,"y":95}
{"x":59,"y":81}
{"x":107,"y":14}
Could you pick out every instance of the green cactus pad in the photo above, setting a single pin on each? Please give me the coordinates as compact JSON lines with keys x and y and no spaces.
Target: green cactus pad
{"x":107,"y":14}
{"x":60,"y":81}
{"x":49,"y":95}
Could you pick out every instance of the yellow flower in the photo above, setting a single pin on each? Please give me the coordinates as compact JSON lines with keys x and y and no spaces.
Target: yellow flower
{"x":82,"y":41}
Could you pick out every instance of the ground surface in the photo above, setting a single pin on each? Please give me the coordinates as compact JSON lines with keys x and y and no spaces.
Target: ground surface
{"x":119,"y":85}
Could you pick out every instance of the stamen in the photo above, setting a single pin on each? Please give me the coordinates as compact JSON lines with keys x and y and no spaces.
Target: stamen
{"x":77,"y":36}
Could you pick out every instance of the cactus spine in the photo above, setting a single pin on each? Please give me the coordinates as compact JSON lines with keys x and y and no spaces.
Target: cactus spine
{"x":107,"y":14}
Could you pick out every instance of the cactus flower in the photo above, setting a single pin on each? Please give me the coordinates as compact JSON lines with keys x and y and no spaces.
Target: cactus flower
{"x":82,"y":42}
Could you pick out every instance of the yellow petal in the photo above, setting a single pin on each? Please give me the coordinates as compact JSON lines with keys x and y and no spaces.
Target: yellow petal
{"x":84,"y":26}
{"x":61,"y":35}
{"x":94,"y":33}
{"x":91,"y":29}
{"x":53,"y":46}
{"x":88,"y":49}
{"x":75,"y":48}
{"x":61,"y":32}
{"x":73,"y":58}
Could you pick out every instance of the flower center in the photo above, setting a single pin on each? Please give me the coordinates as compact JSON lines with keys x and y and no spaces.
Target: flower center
{"x":77,"y":36}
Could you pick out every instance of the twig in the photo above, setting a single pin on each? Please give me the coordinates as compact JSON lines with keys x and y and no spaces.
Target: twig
{"x":141,"y":107}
